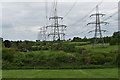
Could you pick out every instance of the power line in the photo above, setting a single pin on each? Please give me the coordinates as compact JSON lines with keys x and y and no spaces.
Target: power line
{"x":113,"y":14}
{"x":71,"y":8}
{"x":52,"y":8}
{"x":79,"y":21}
{"x":46,"y":11}
{"x":104,"y":20}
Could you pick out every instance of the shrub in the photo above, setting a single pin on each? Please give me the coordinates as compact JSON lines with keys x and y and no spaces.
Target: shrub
{"x":68,"y":48}
{"x":8,"y":54}
{"x":113,"y":41}
{"x":97,"y":59}
{"x":108,"y":60}
{"x":82,"y":50}
{"x":66,"y":58}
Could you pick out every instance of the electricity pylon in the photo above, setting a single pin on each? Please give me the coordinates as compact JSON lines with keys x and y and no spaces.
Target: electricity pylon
{"x":98,"y":30}
{"x":58,"y":31}
{"x":42,"y":34}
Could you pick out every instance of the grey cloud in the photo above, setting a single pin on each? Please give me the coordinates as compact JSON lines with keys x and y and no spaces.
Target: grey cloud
{"x":22,"y":20}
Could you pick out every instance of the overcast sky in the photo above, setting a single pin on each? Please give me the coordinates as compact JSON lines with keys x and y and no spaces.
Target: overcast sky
{"x":22,"y":20}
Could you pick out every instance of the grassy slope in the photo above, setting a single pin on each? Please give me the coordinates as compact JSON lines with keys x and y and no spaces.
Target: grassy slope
{"x":81,"y":73}
{"x":100,"y":49}
{"x":108,"y":48}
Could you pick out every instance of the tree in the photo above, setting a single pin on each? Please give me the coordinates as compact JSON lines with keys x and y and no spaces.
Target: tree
{"x":76,"y":39}
{"x":116,"y":34}
{"x":7,"y":43}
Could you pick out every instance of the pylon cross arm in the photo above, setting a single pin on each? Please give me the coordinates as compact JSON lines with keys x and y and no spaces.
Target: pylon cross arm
{"x":97,"y":14}
{"x":56,"y":17}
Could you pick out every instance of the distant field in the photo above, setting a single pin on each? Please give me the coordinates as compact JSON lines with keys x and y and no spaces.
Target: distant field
{"x":80,"y":73}
{"x":98,"y":48}
{"x":79,"y":42}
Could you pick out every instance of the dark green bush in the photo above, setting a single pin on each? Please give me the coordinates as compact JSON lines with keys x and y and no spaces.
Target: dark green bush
{"x":68,"y":47}
{"x":97,"y":59}
{"x":8,"y":54}
{"x":114,"y":41}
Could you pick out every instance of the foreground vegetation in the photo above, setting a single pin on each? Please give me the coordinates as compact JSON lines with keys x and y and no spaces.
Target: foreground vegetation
{"x":80,"y":73}
{"x":79,"y":57}
{"x":60,"y":54}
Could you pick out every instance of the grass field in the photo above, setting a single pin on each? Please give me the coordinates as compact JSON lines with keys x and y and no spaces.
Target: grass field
{"x":98,"y":48}
{"x":80,"y":73}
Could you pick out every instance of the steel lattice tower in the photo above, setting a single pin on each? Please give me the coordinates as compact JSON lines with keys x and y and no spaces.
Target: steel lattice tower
{"x":98,"y":30}
{"x":58,"y":32}
{"x":42,"y":34}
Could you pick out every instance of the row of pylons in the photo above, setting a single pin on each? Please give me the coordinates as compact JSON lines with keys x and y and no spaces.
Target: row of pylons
{"x":56,"y":31}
